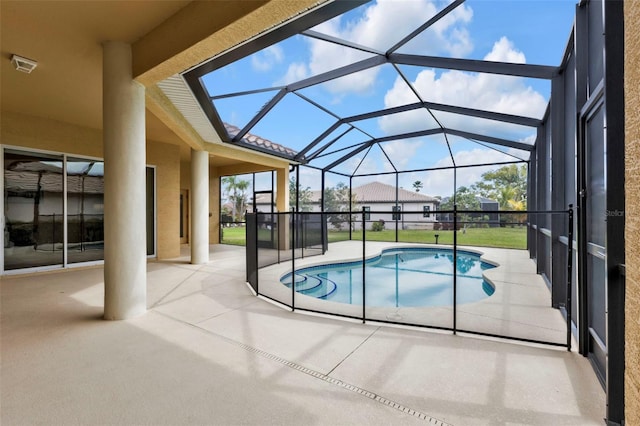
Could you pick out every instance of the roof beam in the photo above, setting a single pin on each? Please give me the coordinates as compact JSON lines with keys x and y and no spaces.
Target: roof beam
{"x":383,"y":112}
{"x":273,"y":22}
{"x":410,"y":135}
{"x":337,"y":73}
{"x":474,"y":65}
{"x":349,"y":155}
{"x":384,"y":139}
{"x":496,"y":116}
{"x":490,"y":139}
{"x":317,"y":140}
{"x":246,"y":92}
{"x":200,"y":93}
{"x":203,"y":29}
{"x":341,"y":42}
{"x":265,"y":109}
{"x":320,"y":78}
{"x":343,"y":149}
{"x":328,"y":144}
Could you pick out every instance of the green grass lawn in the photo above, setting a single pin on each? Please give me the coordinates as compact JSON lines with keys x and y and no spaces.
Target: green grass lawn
{"x":482,"y":237}
{"x":233,"y":236}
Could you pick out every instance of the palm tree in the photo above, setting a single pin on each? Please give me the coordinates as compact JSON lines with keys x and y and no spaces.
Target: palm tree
{"x":506,"y":194}
{"x":417,"y":185}
{"x":236,"y":190}
{"x":230,"y":183}
{"x":518,"y":206}
{"x":241,"y":196}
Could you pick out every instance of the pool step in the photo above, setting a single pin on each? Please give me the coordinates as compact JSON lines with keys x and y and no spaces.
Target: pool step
{"x":311,"y":285}
{"x":322,"y":291}
{"x":304,"y":283}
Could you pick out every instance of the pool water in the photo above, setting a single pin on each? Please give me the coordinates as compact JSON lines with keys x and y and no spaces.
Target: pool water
{"x":402,"y":277}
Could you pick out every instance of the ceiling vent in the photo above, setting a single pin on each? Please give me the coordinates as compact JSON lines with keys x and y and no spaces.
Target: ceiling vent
{"x":23,"y":64}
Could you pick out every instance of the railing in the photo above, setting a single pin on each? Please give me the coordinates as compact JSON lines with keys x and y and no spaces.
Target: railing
{"x":518,"y":304}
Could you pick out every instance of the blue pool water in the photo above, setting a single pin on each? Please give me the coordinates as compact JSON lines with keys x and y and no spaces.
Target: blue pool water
{"x":400,"y":277}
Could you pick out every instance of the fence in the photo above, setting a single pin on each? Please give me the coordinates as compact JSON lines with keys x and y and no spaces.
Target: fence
{"x":465,"y":271}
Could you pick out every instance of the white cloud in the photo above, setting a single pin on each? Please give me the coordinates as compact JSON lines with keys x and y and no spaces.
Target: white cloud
{"x":437,"y":182}
{"x":441,"y":183}
{"x":504,"y":51}
{"x":267,"y":59}
{"x":401,"y":152}
{"x":448,"y":36}
{"x":296,"y":71}
{"x":529,"y":139}
{"x":379,"y":28}
{"x":370,"y":164}
{"x":489,"y":92}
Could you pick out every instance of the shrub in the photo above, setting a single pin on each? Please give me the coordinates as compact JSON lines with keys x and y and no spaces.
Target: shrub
{"x":377,"y":226}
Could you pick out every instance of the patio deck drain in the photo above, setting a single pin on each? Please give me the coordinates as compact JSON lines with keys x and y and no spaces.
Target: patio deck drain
{"x":368,"y":394}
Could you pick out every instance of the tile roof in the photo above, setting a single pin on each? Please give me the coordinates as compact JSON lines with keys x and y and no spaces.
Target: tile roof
{"x":23,"y":177}
{"x":377,"y":191}
{"x":371,"y":192}
{"x":259,"y":142}
{"x":383,"y":193}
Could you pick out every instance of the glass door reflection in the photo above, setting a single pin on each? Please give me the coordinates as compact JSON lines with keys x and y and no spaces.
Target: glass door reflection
{"x":85,"y":210}
{"x":33,"y":203}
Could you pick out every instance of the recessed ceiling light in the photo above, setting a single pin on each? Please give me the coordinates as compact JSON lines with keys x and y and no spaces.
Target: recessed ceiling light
{"x":23,"y":64}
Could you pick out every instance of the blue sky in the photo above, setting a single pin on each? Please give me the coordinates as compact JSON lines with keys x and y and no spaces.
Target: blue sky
{"x":523,"y":31}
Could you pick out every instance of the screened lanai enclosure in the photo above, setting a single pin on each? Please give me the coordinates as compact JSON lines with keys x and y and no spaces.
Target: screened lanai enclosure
{"x":432,"y":144}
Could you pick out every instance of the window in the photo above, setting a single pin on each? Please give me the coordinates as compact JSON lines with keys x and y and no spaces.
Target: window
{"x":426,"y":211}
{"x":367,"y":215}
{"x":396,"y":216}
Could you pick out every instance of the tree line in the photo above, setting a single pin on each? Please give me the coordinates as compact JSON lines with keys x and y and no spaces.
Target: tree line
{"x":506,"y":185}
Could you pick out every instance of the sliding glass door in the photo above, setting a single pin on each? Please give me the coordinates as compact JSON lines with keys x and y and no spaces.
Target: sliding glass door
{"x":33,"y":210}
{"x":54,"y":210}
{"x":85,"y":210}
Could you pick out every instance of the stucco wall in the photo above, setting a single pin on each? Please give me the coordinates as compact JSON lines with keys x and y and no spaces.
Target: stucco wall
{"x":632,"y":214}
{"x":39,"y":133}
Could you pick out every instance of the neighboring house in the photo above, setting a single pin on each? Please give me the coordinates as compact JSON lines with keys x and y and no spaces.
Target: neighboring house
{"x":379,"y":198}
{"x":414,"y":210}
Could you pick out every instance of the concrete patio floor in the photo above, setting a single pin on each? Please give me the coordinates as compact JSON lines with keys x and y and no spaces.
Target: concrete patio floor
{"x":209,"y":352}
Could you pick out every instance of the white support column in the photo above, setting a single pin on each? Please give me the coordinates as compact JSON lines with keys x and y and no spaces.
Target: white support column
{"x":282,"y":204}
{"x":125,"y":262}
{"x":199,"y":207}
{"x":282,"y":189}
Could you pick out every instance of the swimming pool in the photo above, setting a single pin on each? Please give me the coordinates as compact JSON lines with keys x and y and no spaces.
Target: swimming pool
{"x":398,"y":277}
